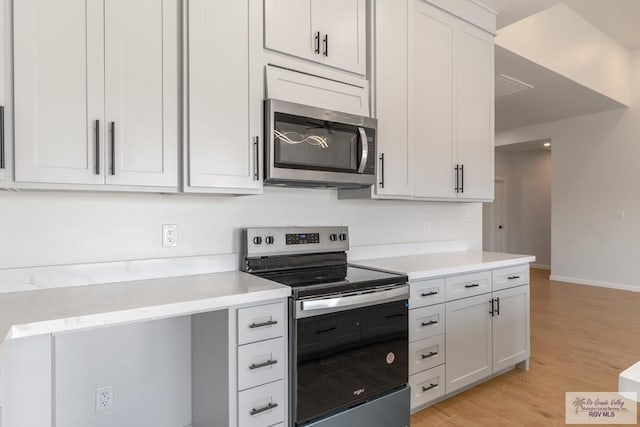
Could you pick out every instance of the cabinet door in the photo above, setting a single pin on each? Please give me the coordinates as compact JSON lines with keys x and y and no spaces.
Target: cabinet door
{"x":342,"y":28}
{"x":474,"y":56}
{"x":3,"y":105}
{"x":431,"y":89}
{"x":59,"y":91}
{"x":141,"y":87}
{"x":224,"y":97}
{"x":511,"y":327}
{"x":288,"y":28}
{"x":468,"y":341}
{"x":394,"y":167}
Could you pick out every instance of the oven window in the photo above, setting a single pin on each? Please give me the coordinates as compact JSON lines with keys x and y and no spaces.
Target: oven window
{"x":304,"y":143}
{"x":344,"y":358}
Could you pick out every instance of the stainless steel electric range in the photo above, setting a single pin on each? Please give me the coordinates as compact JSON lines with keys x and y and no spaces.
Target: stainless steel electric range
{"x":348,"y":328}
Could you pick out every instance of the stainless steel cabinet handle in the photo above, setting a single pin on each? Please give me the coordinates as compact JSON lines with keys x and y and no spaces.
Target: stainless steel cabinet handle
{"x":2,"y":159}
{"x":431,"y":322}
{"x":431,"y":386}
{"x":473,"y":285}
{"x":326,"y":45}
{"x":431,"y":354}
{"x":113,"y":147}
{"x":365,"y":149}
{"x":97,"y":146}
{"x":428,"y":294}
{"x":381,"y":170}
{"x":269,"y":407}
{"x":317,"y":38}
{"x":263,"y":365}
{"x":263,"y":324}
{"x":256,"y":165}
{"x":513,"y":277}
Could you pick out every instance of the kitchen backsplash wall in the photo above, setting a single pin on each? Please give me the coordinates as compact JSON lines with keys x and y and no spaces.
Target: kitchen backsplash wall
{"x":53,"y":228}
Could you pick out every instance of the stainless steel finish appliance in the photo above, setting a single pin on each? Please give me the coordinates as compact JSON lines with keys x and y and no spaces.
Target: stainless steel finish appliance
{"x":314,"y":147}
{"x":348,"y":327}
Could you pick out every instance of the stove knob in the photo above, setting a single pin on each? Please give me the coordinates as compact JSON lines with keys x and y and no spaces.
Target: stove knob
{"x":269,"y":240}
{"x":257,"y":240}
{"x":333,"y":237}
{"x":343,"y":237}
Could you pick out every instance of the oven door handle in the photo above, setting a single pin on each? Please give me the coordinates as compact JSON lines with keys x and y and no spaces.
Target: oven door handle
{"x":365,"y":150}
{"x":370,"y":298}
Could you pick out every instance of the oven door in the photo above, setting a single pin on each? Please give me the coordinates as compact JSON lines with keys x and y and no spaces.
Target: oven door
{"x":311,"y":146}
{"x":346,"y":357}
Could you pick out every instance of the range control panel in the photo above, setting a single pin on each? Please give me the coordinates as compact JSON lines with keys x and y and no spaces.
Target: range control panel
{"x":294,"y":240}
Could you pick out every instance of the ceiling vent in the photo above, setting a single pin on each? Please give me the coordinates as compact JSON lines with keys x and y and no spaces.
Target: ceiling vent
{"x":507,"y":85}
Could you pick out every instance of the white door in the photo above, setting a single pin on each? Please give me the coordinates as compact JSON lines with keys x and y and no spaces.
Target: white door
{"x":468,"y":341}
{"x":288,"y":28}
{"x":511,"y":327}
{"x":141,"y":91}
{"x":224,"y":97}
{"x":475,"y":99}
{"x":3,"y":104}
{"x":394,"y":166}
{"x":59,"y":91}
{"x":341,"y":25}
{"x":431,"y":87}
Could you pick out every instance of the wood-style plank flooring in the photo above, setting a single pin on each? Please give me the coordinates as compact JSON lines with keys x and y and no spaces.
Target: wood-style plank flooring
{"x":582,"y":337}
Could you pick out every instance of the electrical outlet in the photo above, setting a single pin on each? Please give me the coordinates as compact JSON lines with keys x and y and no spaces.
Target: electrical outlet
{"x":169,"y":235}
{"x":618,"y":214}
{"x":104,"y":399}
{"x":427,"y":227}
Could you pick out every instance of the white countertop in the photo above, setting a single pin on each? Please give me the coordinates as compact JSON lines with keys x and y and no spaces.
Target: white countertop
{"x":45,"y":311}
{"x":444,"y":264}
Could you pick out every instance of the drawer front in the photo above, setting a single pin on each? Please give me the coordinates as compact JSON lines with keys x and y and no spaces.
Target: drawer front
{"x":260,"y":323}
{"x":467,"y":285}
{"x":262,"y":406}
{"x":427,"y":386}
{"x":426,"y":322}
{"x":509,"y":277}
{"x":426,"y":292}
{"x":260,"y":363}
{"x":426,"y":354}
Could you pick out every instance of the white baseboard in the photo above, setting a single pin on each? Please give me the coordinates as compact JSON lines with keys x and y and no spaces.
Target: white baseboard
{"x":619,"y":286}
{"x":541,"y":266}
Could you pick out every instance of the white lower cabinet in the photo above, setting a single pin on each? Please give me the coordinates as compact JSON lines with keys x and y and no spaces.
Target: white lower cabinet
{"x":426,"y":354}
{"x":511,"y":327}
{"x":261,"y":406}
{"x":427,"y":386}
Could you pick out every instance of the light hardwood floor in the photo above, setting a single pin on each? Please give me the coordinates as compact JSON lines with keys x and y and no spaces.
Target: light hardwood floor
{"x":582,"y":337}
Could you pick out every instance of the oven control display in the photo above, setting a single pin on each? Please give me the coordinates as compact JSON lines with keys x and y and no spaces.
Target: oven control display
{"x":303,"y":238}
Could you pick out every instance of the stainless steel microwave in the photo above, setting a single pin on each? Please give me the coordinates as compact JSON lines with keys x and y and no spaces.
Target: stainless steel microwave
{"x":314,"y":147}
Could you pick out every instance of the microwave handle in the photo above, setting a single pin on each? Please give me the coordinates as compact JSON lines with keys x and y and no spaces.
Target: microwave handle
{"x":365,"y":149}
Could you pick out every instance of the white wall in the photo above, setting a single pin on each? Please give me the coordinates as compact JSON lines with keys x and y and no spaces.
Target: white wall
{"x":596,"y":172}
{"x":51,"y":228}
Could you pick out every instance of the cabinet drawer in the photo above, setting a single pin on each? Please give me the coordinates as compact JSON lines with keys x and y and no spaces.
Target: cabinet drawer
{"x":427,"y":292}
{"x":467,"y":285}
{"x":509,"y":277}
{"x":426,"y":322}
{"x":260,"y":363}
{"x":426,"y":353}
{"x":261,"y":406}
{"x":426,"y":386}
{"x":259,"y":323}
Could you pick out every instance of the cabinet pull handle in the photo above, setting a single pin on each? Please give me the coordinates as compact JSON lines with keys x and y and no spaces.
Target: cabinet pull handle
{"x":462,"y":178}
{"x":97,"y":146}
{"x":256,"y":164}
{"x":113,"y":147}
{"x":429,"y":323}
{"x":431,"y":386}
{"x":431,"y":354}
{"x":513,"y":277}
{"x":498,"y":306}
{"x":324,"y":331}
{"x":2,"y":160}
{"x":473,"y":285}
{"x":263,"y":324}
{"x":269,"y":407}
{"x":428,"y":294}
{"x":492,"y":312}
{"x":325,"y":41}
{"x":317,"y":37}
{"x":263,"y":365}
{"x":456,"y":188}
{"x":381,"y":170}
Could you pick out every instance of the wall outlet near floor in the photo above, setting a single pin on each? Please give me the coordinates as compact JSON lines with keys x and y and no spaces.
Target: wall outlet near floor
{"x":104,"y":399}
{"x":169,"y":235}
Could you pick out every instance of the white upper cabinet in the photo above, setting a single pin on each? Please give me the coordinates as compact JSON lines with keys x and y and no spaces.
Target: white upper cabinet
{"x":3,"y":99}
{"x":96,"y":92}
{"x":59,"y":91}
{"x":332,"y":32}
{"x":224,"y":94}
{"x":141,"y":91}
